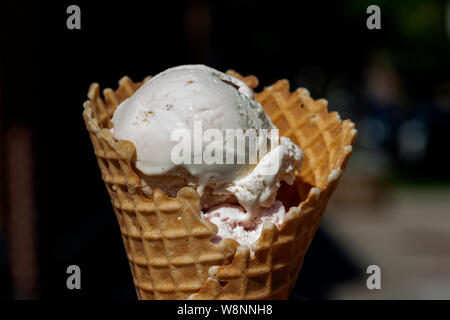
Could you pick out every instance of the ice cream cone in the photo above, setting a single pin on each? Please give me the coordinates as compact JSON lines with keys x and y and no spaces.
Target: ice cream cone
{"x":168,"y":243}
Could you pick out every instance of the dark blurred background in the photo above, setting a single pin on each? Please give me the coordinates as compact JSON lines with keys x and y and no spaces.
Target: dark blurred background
{"x":392,"y":205}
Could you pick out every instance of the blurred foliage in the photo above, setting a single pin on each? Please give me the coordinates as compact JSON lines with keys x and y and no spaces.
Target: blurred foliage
{"x":415,"y":39}
{"x":412,"y":19}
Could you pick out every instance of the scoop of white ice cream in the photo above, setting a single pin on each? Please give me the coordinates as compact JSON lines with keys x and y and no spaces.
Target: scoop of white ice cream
{"x":196,"y":97}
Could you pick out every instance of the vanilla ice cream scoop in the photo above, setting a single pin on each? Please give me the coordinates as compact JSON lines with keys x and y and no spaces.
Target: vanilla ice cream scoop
{"x":193,"y":107}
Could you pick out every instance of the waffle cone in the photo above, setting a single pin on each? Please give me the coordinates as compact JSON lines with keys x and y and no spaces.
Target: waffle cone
{"x":168,"y":243}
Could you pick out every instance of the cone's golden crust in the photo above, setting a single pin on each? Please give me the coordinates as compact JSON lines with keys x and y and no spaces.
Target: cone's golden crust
{"x":168,"y":243}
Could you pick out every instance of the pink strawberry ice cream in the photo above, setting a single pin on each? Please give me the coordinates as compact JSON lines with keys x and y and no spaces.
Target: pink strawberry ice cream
{"x":226,"y":217}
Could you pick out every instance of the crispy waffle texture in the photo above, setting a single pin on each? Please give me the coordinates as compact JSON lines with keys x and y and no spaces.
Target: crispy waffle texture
{"x":168,"y":243}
